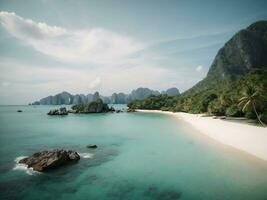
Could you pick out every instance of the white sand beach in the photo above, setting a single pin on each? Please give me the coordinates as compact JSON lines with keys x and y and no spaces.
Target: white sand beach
{"x":245,"y":137}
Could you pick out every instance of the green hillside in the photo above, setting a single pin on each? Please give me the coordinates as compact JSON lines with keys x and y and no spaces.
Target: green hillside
{"x":239,"y":68}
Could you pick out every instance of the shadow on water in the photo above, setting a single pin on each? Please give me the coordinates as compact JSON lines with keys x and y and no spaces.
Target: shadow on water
{"x":13,"y":189}
{"x":155,"y":193}
{"x":121,"y":191}
{"x":126,"y":190}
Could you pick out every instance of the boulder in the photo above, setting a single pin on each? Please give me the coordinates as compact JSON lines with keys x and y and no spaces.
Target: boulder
{"x":91,"y":146}
{"x":45,"y":160}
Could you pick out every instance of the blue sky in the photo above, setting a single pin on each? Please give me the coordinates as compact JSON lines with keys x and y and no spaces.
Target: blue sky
{"x":51,"y":46}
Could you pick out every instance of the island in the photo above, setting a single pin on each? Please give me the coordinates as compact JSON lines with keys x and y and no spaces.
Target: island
{"x":46,"y":160}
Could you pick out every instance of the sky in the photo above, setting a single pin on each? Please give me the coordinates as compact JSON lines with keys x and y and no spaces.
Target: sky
{"x":83,"y":46}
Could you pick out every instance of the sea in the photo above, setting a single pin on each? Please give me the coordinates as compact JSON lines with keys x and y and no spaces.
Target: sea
{"x":140,"y":156}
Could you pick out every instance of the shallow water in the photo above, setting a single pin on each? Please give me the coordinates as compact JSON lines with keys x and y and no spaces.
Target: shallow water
{"x":140,"y":156}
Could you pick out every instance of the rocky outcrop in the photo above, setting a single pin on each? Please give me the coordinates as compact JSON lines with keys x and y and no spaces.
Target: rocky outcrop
{"x":61,"y":111}
{"x":244,"y":52}
{"x":91,"y":146}
{"x":45,"y":160}
{"x":96,"y":106}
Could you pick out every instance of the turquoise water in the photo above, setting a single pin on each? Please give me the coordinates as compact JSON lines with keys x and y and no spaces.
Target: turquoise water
{"x":140,"y":156}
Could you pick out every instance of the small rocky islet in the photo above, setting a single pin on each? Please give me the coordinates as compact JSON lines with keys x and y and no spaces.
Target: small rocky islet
{"x":52,"y":159}
{"x":96,"y":106}
{"x":91,"y":146}
{"x":45,"y":160}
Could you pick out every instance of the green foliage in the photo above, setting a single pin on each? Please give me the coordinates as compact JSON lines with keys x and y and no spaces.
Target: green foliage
{"x":250,"y":114}
{"x":264,"y":116}
{"x":96,"y":106}
{"x":216,"y":108}
{"x":234,"y":111}
{"x":63,"y":109}
{"x":159,"y":102}
{"x":216,"y":99}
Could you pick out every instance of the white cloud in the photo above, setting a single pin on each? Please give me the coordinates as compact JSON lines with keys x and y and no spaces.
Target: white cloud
{"x":42,"y":81}
{"x":95,"y":59}
{"x":199,"y":68}
{"x":28,"y":29}
{"x":96,"y":45}
{"x":95,"y":84}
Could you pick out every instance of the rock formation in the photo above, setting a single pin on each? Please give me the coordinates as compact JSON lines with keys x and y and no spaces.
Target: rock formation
{"x":45,"y":160}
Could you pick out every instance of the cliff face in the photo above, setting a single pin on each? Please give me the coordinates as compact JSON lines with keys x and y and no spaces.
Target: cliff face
{"x":243,"y":53}
{"x":247,"y":50}
{"x":141,"y":93}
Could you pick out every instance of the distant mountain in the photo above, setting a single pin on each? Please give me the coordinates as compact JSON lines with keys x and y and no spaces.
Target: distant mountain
{"x":142,"y":93}
{"x":119,"y":98}
{"x":244,"y":52}
{"x":62,"y":98}
{"x":171,"y":92}
{"x":116,"y":98}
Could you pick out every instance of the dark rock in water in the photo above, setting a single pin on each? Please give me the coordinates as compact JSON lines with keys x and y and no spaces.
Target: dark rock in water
{"x":19,"y":110}
{"x":61,"y":111}
{"x":91,"y":146}
{"x":42,"y":161}
{"x":118,"y":111}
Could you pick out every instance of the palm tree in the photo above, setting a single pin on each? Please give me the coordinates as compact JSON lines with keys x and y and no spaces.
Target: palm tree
{"x":251,"y":97}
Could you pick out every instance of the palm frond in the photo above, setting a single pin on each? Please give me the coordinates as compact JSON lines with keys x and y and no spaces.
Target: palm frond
{"x":246,"y":105}
{"x":243,"y":98}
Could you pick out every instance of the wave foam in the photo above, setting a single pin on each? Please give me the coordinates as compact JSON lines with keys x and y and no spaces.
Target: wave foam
{"x":23,"y":167}
{"x":86,"y":155}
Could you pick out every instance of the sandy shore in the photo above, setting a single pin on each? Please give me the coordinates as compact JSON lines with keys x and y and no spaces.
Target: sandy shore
{"x":248,"y":138}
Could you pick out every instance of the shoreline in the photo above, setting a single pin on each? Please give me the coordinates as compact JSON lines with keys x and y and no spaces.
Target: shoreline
{"x":244,"y":137}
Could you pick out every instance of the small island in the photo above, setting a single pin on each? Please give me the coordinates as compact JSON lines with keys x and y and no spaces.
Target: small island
{"x":45,"y":160}
{"x":96,"y":106}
